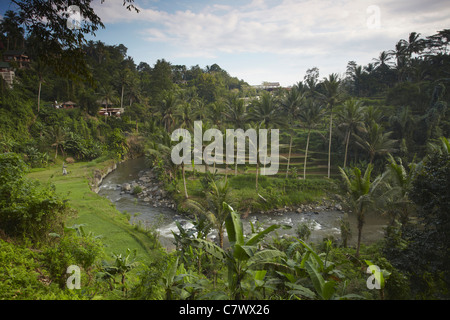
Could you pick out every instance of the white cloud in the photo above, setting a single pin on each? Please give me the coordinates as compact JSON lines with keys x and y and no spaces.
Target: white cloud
{"x":302,"y":29}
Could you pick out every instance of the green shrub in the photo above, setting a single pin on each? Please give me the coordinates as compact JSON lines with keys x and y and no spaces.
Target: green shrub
{"x":28,"y":208}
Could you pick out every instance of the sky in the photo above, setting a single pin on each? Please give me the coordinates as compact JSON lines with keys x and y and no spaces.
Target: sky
{"x":266,"y":40}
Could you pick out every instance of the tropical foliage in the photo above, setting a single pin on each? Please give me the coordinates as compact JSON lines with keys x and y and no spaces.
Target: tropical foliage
{"x":375,"y":139}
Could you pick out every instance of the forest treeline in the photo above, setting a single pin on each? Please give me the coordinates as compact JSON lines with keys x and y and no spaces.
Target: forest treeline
{"x":379,"y":134}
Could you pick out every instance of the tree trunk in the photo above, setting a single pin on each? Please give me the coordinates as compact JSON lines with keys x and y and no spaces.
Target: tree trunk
{"x":360,"y":226}
{"x":184,"y":181}
{"x":306,"y":155}
{"x":121,"y":98}
{"x":257,"y":170}
{"x":221,"y":238}
{"x":329,"y":143}
{"x":289,"y":157}
{"x":346,"y":147}
{"x":39,"y":96}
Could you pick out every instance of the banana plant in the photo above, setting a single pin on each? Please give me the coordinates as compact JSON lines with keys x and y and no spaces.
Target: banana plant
{"x":243,"y":254}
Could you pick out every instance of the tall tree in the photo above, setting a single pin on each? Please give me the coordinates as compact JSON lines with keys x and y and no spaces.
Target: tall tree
{"x":310,"y":117}
{"x":11,"y":29}
{"x":361,"y":193}
{"x":63,"y":45}
{"x":331,"y":96}
{"x":350,"y":116}
{"x":291,"y":104}
{"x":400,"y":179}
{"x":166,"y":109}
{"x":376,"y":141}
{"x":214,"y":209}
{"x":236,"y":113}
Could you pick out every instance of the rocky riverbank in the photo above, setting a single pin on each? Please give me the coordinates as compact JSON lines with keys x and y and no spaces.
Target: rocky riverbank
{"x":324,"y":206}
{"x":149,"y":189}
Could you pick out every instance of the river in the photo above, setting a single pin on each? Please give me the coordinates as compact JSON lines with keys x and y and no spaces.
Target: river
{"x":324,"y":223}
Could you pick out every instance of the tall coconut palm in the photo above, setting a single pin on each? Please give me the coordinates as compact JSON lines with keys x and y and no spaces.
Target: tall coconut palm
{"x":123,"y":77}
{"x":414,"y":44}
{"x":310,"y":117}
{"x":383,"y":60}
{"x":39,"y":67}
{"x":57,"y":135}
{"x":236,"y":113}
{"x":134,"y":89}
{"x":401,"y":58}
{"x":403,"y":123}
{"x":166,"y":109}
{"x":214,"y":210}
{"x":10,"y":26}
{"x":266,"y":113}
{"x":291,"y":105}
{"x":350,"y":116}
{"x":107,"y":95}
{"x":331,"y":96}
{"x":361,"y":193}
{"x":183,"y":117}
{"x":400,"y":180}
{"x":376,"y":141}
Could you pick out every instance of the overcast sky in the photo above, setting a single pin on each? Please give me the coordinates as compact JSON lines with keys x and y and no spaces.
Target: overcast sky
{"x":267,"y":40}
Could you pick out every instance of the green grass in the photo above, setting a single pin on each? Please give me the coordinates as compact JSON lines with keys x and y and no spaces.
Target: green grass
{"x":278,"y":192}
{"x":97,"y":213}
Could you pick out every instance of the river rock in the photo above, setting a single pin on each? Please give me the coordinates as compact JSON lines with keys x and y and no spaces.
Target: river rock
{"x":126,"y":187}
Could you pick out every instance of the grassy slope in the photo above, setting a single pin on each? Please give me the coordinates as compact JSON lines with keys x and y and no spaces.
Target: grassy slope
{"x":97,"y":213}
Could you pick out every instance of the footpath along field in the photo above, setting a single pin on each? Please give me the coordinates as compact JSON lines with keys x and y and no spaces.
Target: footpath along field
{"x":98,"y":214}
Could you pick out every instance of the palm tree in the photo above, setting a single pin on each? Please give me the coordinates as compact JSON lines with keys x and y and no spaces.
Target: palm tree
{"x":39,"y":67}
{"x":401,"y":58}
{"x":236,"y":113}
{"x":442,"y":146}
{"x":361,"y":193}
{"x":166,"y":109}
{"x":400,"y":181}
{"x":214,"y":112}
{"x":183,"y":118}
{"x":134,"y":90}
{"x":214,"y":210}
{"x":331,"y":97}
{"x":382,"y":61}
{"x":376,"y":141}
{"x":123,"y":79}
{"x":351,"y":117}
{"x":310,"y":117}
{"x":266,"y":111}
{"x":107,"y":95}
{"x":10,"y":25}
{"x":414,"y":44}
{"x":183,"y":115}
{"x":403,"y":121}
{"x":291,"y":104}
{"x":58,"y":136}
